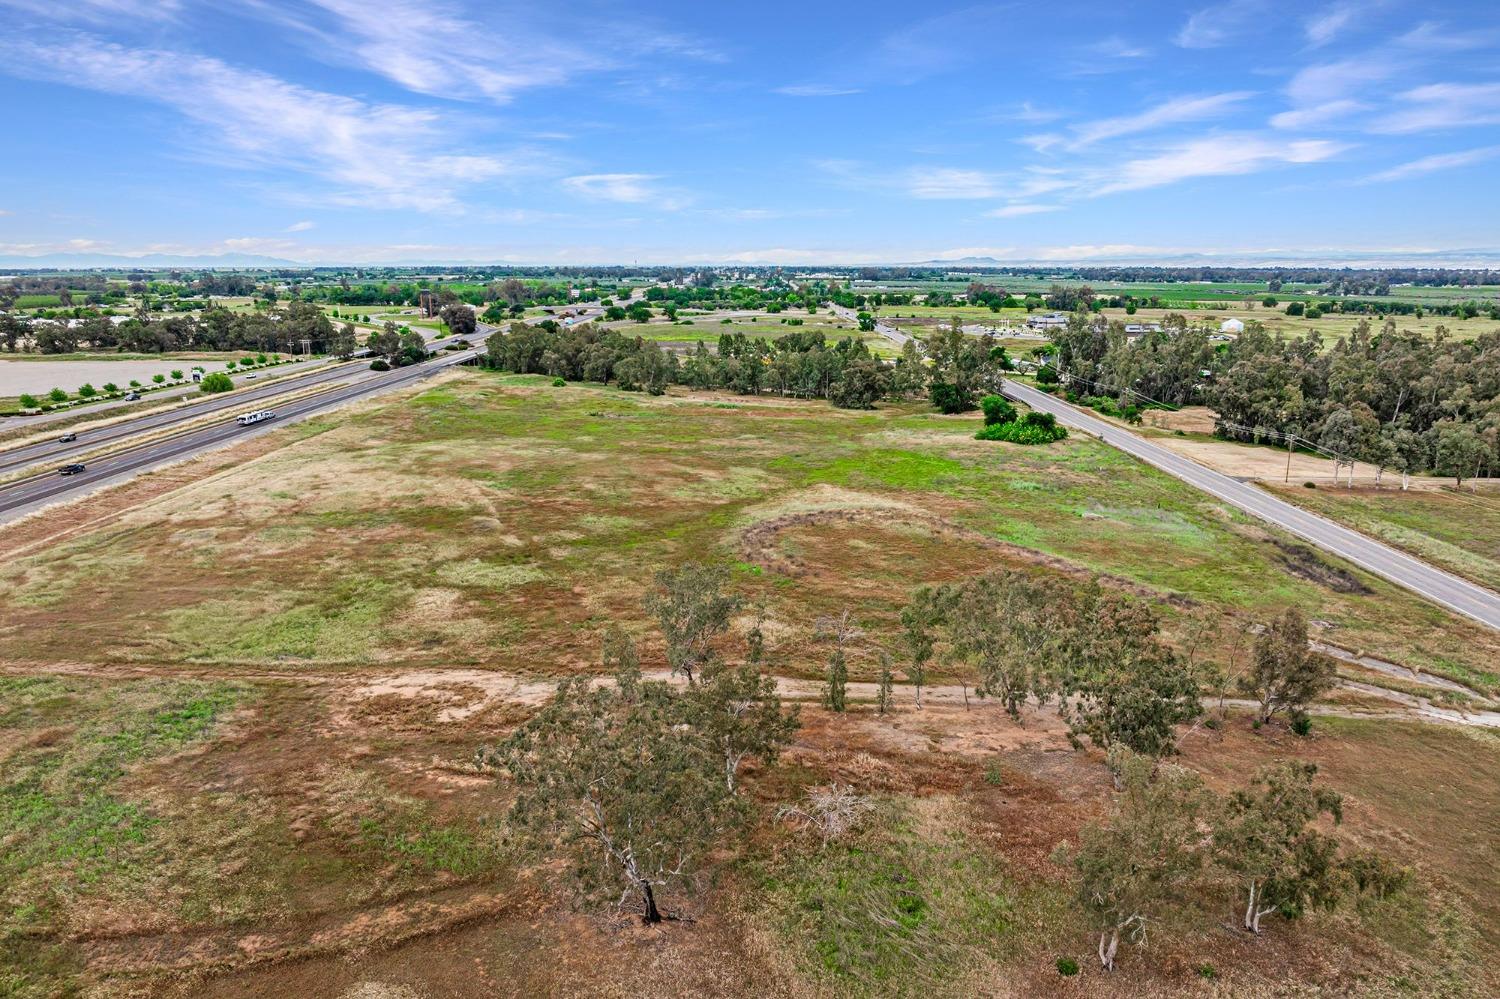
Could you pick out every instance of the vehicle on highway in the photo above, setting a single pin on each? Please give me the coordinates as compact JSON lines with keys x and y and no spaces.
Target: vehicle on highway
{"x":259,"y":416}
{"x":67,"y":438}
{"x":132,"y":397}
{"x":72,"y":469}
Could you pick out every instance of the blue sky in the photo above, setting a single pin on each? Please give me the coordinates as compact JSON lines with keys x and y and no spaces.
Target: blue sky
{"x":587,"y":132}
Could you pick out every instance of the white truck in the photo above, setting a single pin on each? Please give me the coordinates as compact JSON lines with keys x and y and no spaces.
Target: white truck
{"x":259,"y":416}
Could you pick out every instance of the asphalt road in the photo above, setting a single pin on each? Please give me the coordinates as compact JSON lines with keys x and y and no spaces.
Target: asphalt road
{"x":884,"y":329}
{"x":27,"y":495}
{"x":1440,"y":587}
{"x":89,"y":441}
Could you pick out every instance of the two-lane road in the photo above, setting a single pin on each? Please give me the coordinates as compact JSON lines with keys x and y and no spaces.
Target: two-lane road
{"x":1440,"y":587}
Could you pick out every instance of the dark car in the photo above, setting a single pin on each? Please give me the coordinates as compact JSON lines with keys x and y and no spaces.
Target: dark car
{"x":67,"y":438}
{"x":73,"y":469}
{"x":132,"y":397}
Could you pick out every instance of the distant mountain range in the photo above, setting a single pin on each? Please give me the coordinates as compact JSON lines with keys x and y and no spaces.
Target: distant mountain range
{"x":1478,"y":257}
{"x":85,"y":261}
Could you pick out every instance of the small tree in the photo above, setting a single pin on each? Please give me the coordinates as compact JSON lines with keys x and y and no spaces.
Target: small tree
{"x":997,"y":409}
{"x":619,"y":780}
{"x":1284,"y":674}
{"x":917,"y":620}
{"x":57,"y":395}
{"x":159,"y":379}
{"x":29,"y":401}
{"x":1128,"y":687}
{"x":215,"y":383}
{"x":111,"y":387}
{"x":1267,"y":842}
{"x":87,"y":391}
{"x":740,"y":711}
{"x":841,"y":630}
{"x":1137,"y":864}
{"x":692,"y":610}
{"x":883,"y":696}
{"x":177,"y":374}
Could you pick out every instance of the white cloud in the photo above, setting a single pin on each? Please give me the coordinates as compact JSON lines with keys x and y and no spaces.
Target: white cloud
{"x":1331,"y":81}
{"x":944,"y":183}
{"x":299,"y":227}
{"x":1318,"y":114}
{"x":1174,"y":111}
{"x":1215,"y":156}
{"x":1217,"y":25}
{"x":625,"y":189}
{"x":1324,"y":26}
{"x":1434,"y":163}
{"x":1443,"y":106}
{"x":100,"y":11}
{"x":816,"y":90}
{"x":1014,"y":211}
{"x":380,"y":155}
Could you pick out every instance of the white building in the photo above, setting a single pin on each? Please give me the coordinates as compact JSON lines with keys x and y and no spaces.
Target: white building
{"x":1231,"y":326}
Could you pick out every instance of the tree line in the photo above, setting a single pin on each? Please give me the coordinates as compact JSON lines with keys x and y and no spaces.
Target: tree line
{"x":282,"y":330}
{"x":1391,"y":398}
{"x":951,"y":369}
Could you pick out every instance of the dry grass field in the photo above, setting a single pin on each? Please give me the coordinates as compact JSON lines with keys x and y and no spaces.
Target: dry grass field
{"x":239,"y":700}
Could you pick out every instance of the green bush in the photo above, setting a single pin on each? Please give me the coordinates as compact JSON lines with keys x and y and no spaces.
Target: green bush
{"x":559,"y":382}
{"x":159,"y":379}
{"x":1046,"y":375}
{"x":1067,"y":967}
{"x":215,"y":383}
{"x":379,"y":364}
{"x":1033,"y":428}
{"x":87,"y":391}
{"x":997,"y":409}
{"x":29,"y":401}
{"x":111,"y":387}
{"x":176,"y":375}
{"x":57,"y":395}
{"x":948,"y":398}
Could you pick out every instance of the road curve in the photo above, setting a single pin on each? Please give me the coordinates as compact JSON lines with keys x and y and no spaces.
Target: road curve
{"x":1438,"y":586}
{"x":886,"y":330}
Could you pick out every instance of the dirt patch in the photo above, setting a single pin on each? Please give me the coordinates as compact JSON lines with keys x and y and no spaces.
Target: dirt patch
{"x":1307,"y":564}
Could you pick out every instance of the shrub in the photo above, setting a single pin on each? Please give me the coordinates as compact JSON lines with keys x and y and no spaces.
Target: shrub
{"x":159,"y":379}
{"x":1046,"y":375}
{"x":1302,"y":723}
{"x":29,"y":401}
{"x":993,"y":776}
{"x":57,"y":395}
{"x":135,"y":383}
{"x":1294,"y":308}
{"x":1067,"y":967}
{"x":215,"y":383}
{"x":111,"y":387}
{"x":559,"y":382}
{"x":1033,"y":428}
{"x":997,"y":409}
{"x":380,"y":364}
{"x":948,"y":398}
{"x":229,"y":364}
{"x":87,"y":391}
{"x":176,"y":374}
{"x":260,"y":358}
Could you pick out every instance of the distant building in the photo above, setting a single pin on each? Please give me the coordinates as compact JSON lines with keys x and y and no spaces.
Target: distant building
{"x":1231,"y":326}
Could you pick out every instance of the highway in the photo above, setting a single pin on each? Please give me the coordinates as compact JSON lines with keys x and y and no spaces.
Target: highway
{"x":1440,"y":587}
{"x":56,"y":452}
{"x":26,"y":495}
